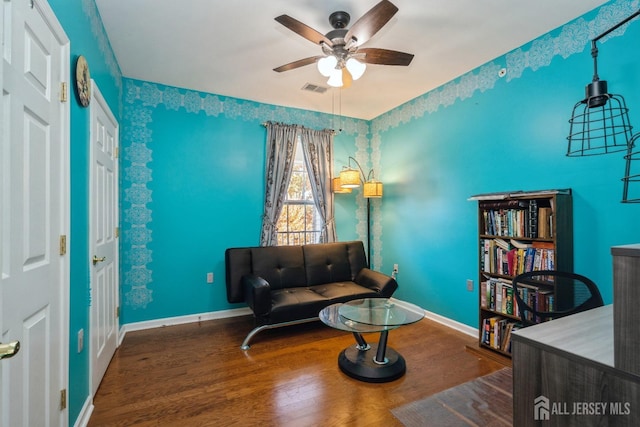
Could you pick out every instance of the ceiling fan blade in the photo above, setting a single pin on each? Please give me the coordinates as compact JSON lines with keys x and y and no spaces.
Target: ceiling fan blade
{"x":297,"y":64}
{"x":384,"y":56}
{"x":371,"y":22}
{"x":304,"y":30}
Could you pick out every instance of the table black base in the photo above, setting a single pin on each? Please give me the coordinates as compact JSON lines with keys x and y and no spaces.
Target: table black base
{"x":359,"y":364}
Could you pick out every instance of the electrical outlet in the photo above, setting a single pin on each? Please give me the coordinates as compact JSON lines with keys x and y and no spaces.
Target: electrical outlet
{"x":470,"y":285}
{"x":209,"y":277}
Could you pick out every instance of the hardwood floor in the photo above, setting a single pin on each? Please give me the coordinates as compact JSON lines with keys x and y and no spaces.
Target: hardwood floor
{"x":196,"y":375}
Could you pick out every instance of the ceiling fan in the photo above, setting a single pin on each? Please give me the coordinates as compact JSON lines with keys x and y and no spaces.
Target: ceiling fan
{"x":343,"y":59}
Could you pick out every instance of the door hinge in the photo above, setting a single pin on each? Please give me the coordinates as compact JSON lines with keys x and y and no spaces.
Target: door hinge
{"x":117,"y":232}
{"x":117,"y":312}
{"x":63,"y":399}
{"x":116,"y":152}
{"x":63,"y":244}
{"x":63,"y":91}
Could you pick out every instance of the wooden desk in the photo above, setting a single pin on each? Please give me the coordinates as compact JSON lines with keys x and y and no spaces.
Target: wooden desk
{"x":570,"y":363}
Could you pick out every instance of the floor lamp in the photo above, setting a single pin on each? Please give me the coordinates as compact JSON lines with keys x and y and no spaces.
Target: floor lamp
{"x":352,"y":178}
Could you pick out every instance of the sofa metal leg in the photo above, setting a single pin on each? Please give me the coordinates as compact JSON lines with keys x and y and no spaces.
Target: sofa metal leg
{"x":245,"y":344}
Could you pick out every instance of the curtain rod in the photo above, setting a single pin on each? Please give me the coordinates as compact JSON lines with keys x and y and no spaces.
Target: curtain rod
{"x":264,"y":124}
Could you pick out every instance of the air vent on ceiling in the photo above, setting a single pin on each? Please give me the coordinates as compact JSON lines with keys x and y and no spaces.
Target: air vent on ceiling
{"x":314,"y":88}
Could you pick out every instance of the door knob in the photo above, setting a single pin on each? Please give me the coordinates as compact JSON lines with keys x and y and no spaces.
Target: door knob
{"x":97,"y":260}
{"x":9,"y":349}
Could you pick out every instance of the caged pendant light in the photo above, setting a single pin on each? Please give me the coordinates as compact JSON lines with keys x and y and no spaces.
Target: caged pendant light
{"x":600,"y":122}
{"x":632,"y":173}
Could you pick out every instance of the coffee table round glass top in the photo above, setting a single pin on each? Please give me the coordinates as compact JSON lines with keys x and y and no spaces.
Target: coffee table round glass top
{"x":380,"y":312}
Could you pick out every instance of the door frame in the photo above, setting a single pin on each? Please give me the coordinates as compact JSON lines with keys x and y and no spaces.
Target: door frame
{"x":97,"y":97}
{"x":65,"y":202}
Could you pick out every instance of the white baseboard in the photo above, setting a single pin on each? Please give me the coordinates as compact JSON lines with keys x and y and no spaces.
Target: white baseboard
{"x":461,"y":327}
{"x":453,"y":324}
{"x":85,"y":413}
{"x":179,"y":320}
{"x":222,"y":314}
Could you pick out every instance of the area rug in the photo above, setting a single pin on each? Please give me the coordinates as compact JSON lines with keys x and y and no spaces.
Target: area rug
{"x":485,"y":401}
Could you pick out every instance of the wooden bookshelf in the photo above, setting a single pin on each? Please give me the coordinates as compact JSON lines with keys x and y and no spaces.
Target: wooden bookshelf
{"x":517,"y":232}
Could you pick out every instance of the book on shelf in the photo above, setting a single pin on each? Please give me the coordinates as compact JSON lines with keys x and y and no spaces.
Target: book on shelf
{"x":533,"y":219}
{"x":506,"y":342}
{"x":509,"y":305}
{"x":483,"y":294}
{"x":519,"y":244}
{"x":503,"y":244}
{"x":499,"y":256}
{"x":518,"y":218}
{"x":538,"y":298}
{"x":506,"y":218}
{"x":497,"y":333}
{"x":497,"y":295}
{"x":545,"y":223}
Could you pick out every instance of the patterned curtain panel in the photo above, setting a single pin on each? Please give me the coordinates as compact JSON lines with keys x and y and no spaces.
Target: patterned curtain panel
{"x":281,"y":144}
{"x":317,"y":147}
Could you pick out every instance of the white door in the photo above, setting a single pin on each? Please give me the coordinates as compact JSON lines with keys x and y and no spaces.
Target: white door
{"x":34,"y":214}
{"x":103,"y":236}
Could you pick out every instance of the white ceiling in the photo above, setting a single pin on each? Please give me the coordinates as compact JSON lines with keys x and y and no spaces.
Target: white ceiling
{"x":230,"y":47}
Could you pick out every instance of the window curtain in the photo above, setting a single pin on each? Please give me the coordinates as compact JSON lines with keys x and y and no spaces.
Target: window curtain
{"x":281,"y":144}
{"x":317,"y":147}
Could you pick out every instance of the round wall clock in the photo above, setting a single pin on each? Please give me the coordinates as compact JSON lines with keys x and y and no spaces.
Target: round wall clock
{"x":83,"y":81}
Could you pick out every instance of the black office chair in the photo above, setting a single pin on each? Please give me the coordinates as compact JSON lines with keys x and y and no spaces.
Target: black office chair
{"x":546,"y":294}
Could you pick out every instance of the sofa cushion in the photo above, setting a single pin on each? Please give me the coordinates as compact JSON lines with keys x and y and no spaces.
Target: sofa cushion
{"x":327,"y":263}
{"x":306,"y":302}
{"x":295,"y":303}
{"x":281,"y":266}
{"x":343,"y":291}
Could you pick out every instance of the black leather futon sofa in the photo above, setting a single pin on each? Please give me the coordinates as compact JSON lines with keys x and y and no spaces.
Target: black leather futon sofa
{"x":285,"y":285}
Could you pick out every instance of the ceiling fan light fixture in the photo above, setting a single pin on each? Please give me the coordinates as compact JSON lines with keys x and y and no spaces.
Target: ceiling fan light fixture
{"x":335,"y":79}
{"x":340,"y":46}
{"x":356,"y":68}
{"x":327,"y":64}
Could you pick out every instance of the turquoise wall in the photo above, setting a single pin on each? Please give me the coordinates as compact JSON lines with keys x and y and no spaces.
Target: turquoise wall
{"x":192,"y":168}
{"x":82,"y":24}
{"x":192,"y":186}
{"x":484,"y":133}
{"x":479,"y":133}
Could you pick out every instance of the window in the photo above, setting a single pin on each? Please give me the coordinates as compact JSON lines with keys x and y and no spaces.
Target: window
{"x":299,"y":222}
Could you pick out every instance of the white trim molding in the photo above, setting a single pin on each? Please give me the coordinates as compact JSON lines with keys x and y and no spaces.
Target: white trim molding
{"x":85,"y":413}
{"x":180,"y":320}
{"x":460,"y":327}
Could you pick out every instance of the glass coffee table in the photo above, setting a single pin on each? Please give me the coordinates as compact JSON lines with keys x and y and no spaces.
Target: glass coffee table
{"x":375,"y":362}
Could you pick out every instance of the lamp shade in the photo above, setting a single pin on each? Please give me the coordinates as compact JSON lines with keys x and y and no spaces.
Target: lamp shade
{"x":372,"y":189}
{"x":356,"y":68}
{"x":327,"y":64}
{"x":335,"y":79}
{"x":632,"y":173}
{"x":350,"y":178}
{"x":599,"y":123}
{"x":336,"y":186}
